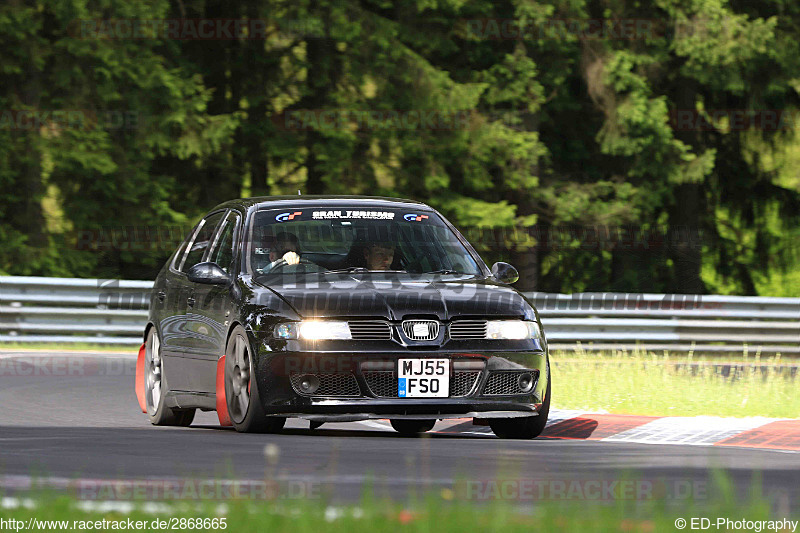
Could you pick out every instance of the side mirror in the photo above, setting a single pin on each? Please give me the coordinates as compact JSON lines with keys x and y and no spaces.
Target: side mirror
{"x":504,"y":273}
{"x":208,"y":273}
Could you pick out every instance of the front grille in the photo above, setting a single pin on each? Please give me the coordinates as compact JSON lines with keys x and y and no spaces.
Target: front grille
{"x":468,"y":329}
{"x":340,"y":384}
{"x":463,"y":381}
{"x":364,"y":330}
{"x":383,"y":383}
{"x":421,"y":330}
{"x":506,"y":383}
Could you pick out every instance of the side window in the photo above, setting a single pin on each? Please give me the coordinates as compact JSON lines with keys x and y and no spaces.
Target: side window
{"x":176,"y":261}
{"x":202,"y":240}
{"x":179,"y":255}
{"x":222,"y":252}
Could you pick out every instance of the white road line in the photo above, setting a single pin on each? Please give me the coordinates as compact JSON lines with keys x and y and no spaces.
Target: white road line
{"x":694,"y":431}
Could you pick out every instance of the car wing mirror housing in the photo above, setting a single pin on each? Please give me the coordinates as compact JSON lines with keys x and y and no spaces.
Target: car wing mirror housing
{"x":208,"y":273}
{"x":504,"y":273}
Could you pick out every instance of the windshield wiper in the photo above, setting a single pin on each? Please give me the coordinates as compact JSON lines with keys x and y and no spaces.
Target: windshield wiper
{"x":443,"y":271}
{"x":359,"y":269}
{"x":348,"y":269}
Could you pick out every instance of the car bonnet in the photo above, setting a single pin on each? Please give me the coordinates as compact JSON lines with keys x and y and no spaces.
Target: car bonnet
{"x":396,"y":298}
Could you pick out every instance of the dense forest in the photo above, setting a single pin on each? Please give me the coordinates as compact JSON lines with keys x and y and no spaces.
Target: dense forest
{"x":597,"y":145}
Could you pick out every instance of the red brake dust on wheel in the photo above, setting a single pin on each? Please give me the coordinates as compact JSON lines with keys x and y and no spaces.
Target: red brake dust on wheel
{"x":139,"y":381}
{"x":222,"y":404}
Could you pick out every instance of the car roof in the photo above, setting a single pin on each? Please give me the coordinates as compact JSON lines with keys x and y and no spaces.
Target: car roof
{"x":270,"y":202}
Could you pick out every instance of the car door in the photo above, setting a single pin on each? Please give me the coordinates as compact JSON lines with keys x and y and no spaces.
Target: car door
{"x":209,"y":317}
{"x":185,"y":374}
{"x":170,"y":305}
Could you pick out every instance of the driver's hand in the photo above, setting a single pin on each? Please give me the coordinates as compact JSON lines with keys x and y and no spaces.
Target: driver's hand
{"x":291,"y":258}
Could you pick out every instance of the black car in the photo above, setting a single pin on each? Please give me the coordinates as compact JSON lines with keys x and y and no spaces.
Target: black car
{"x":340,"y":308}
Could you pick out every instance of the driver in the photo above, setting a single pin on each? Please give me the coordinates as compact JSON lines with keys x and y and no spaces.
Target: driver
{"x":285,"y":249}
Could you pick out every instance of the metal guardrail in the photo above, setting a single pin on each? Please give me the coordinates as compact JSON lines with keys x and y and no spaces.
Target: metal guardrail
{"x":70,"y":310}
{"x":73,"y":310}
{"x":707,"y":323}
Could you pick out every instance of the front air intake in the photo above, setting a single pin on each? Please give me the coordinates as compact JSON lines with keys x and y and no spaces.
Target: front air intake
{"x":510,"y":382}
{"x":339,"y":384}
{"x":468,"y":329}
{"x":370,"y":330}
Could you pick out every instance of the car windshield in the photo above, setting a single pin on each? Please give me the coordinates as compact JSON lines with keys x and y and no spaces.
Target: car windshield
{"x":357,"y":239}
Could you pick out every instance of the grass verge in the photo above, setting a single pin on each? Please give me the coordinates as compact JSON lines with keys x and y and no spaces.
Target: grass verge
{"x":645,"y":383}
{"x":55,"y":513}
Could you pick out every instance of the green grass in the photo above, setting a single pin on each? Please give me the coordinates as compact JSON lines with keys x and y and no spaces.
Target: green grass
{"x":656,"y":384}
{"x":439,"y":512}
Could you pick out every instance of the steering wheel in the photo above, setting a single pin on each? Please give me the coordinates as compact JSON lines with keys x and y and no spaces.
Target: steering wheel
{"x":280,"y":264}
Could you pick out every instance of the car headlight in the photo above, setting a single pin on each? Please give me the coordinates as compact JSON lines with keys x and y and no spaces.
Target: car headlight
{"x":285,"y":331}
{"x":512,"y":329}
{"x":313,"y":330}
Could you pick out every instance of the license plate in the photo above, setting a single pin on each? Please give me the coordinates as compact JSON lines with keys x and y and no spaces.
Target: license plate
{"x":423,"y":378}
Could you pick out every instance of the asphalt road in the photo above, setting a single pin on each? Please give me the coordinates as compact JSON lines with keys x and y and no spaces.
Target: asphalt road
{"x":76,"y":417}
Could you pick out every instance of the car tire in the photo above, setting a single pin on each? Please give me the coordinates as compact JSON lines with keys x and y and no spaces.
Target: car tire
{"x":412,"y":428}
{"x":528,"y":427}
{"x":156,"y":388}
{"x":242,"y":396}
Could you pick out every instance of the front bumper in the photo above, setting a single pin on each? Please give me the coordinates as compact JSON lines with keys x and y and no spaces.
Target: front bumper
{"x":357,"y":417}
{"x":275,"y":370}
